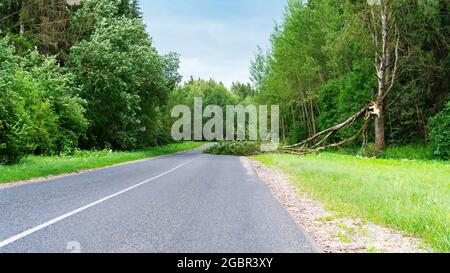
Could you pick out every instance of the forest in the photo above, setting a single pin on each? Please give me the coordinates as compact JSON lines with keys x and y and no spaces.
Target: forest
{"x":80,"y":77}
{"x":330,"y":59}
{"x":85,"y":75}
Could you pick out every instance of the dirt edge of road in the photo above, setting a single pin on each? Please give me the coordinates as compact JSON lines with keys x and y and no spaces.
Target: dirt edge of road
{"x":332,"y":232}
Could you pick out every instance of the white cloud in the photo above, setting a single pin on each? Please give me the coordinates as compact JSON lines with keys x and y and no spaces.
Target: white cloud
{"x":212,"y":43}
{"x":226,"y":72}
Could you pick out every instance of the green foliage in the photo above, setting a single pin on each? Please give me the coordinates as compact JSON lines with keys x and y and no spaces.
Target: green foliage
{"x":440,"y":133}
{"x":306,"y":72}
{"x":86,"y":18}
{"x":39,"y":113}
{"x":108,"y":87}
{"x":112,"y":91}
{"x":239,"y":148}
{"x":343,"y":97}
{"x":13,"y":118}
{"x":9,"y":15}
{"x":211,"y":92}
{"x":296,"y":134}
{"x":320,"y":68}
{"x":123,"y":93}
{"x":368,"y":150}
{"x":242,"y":90}
{"x":424,"y":83}
{"x":51,"y":94}
{"x":44,"y":129}
{"x":14,"y":130}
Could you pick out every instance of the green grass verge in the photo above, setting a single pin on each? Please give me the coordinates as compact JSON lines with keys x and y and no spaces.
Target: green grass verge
{"x":41,"y":166}
{"x":413,"y":196}
{"x":411,"y":151}
{"x":415,"y":152}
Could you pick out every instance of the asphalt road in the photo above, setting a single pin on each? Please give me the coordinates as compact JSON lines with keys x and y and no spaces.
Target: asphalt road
{"x":188,"y":202}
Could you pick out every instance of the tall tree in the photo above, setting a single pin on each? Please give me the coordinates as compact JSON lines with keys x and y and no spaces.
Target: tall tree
{"x":326,"y":64}
{"x":386,"y":41}
{"x":48,"y":22}
{"x":242,"y":90}
{"x":9,"y":16}
{"x":124,"y":94}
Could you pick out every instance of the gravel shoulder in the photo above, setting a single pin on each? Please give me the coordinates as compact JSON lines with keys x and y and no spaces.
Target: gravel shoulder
{"x":334,"y":233}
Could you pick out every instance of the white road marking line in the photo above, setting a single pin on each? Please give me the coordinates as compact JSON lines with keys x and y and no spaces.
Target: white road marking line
{"x":67,"y":215}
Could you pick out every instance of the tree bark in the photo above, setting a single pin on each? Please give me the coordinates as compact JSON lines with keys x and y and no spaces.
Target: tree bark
{"x":380,"y":140}
{"x":386,"y":66}
{"x":22,"y":25}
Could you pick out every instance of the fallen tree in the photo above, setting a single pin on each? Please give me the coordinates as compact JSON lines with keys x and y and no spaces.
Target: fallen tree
{"x":386,"y":43}
{"x":318,"y":142}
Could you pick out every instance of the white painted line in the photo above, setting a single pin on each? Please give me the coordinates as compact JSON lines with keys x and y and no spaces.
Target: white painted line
{"x":69,"y":214}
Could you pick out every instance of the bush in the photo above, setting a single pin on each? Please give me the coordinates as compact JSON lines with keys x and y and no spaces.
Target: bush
{"x":39,"y":112}
{"x":56,"y":88}
{"x":14,"y":122}
{"x":440,"y":134}
{"x":367,"y":151}
{"x":297,"y":133}
{"x":240,"y":148}
{"x":14,"y":128}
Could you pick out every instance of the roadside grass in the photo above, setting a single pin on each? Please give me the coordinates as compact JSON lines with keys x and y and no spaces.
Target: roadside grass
{"x":413,"y":196}
{"x":41,"y":166}
{"x":411,"y":152}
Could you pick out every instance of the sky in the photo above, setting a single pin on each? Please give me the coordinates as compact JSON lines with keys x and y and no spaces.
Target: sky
{"x":215,"y":38}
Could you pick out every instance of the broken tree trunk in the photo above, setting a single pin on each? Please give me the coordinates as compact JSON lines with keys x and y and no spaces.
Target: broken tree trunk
{"x":386,"y":44}
{"x":21,"y":15}
{"x":319,"y":141}
{"x":386,"y":40}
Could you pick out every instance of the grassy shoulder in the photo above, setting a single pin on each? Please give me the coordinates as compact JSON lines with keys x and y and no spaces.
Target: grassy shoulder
{"x":41,"y":166}
{"x":413,"y":196}
{"x":411,"y":152}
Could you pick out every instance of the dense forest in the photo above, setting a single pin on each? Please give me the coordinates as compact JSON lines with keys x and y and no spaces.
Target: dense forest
{"x":85,"y":75}
{"x":80,"y":76}
{"x":331,"y":58}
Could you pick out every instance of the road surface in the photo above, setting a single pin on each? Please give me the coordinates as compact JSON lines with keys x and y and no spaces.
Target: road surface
{"x":188,"y":202}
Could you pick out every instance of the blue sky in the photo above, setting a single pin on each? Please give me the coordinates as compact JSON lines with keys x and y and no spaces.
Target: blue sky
{"x":216,"y":38}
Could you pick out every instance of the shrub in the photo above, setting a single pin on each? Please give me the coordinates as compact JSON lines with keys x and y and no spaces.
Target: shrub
{"x":440,"y":134}
{"x":14,"y":122}
{"x":39,"y":112}
{"x":56,"y":87}
{"x":14,"y":128}
{"x":240,"y":148}
{"x":297,"y":133}
{"x":367,"y":151}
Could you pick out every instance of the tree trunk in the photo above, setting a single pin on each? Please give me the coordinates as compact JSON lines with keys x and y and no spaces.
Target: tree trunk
{"x":380,"y":141}
{"x":386,"y":67}
{"x":22,"y":25}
